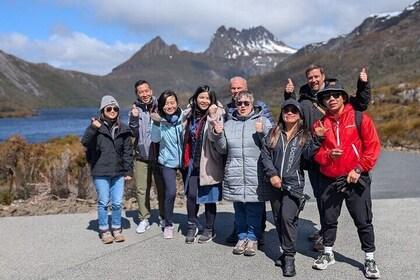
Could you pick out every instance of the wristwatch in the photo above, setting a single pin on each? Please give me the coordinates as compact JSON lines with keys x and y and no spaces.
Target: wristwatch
{"x":357,"y":170}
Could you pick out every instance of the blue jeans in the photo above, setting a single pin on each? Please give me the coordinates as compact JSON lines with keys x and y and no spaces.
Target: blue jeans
{"x":248,"y":217}
{"x":109,"y":190}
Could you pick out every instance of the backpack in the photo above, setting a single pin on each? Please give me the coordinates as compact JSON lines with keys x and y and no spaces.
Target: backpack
{"x":309,"y":164}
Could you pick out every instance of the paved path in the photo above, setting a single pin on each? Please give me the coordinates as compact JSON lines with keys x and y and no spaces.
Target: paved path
{"x":68,"y":247}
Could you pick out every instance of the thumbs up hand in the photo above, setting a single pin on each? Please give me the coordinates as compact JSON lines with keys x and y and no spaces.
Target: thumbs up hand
{"x":289,"y":86}
{"x":134,"y":111}
{"x":363,"y":75}
{"x":259,"y":125}
{"x":95,"y":122}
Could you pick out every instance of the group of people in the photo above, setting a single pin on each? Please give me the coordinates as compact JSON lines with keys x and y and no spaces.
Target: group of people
{"x":237,"y":152}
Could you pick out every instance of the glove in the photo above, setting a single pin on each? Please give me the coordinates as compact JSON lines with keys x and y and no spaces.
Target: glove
{"x":340,"y":184}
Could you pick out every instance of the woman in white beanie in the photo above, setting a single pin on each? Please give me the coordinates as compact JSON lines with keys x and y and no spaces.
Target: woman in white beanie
{"x":109,"y":153}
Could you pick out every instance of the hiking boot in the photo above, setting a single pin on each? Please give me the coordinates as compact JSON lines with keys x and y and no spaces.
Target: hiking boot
{"x":279,"y":262}
{"x":233,"y":237}
{"x":289,"y":266}
{"x":106,"y":236}
{"x":118,"y":237}
{"x":251,"y":248}
{"x":143,"y":226}
{"x":239,"y":248}
{"x":324,"y":260}
{"x":371,"y":270}
{"x":168,"y":232}
{"x":261,"y":238}
{"x":314,"y":237}
{"x":318,"y":246}
{"x":191,"y":234}
{"x":207,"y":236}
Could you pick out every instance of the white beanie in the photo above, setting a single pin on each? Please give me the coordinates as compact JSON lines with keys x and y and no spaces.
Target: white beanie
{"x":108,"y":100}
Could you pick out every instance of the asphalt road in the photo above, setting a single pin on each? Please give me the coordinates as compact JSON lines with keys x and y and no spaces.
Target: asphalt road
{"x":68,"y":246}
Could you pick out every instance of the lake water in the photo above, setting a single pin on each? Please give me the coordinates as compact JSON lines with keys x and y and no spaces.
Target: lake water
{"x":50,"y":123}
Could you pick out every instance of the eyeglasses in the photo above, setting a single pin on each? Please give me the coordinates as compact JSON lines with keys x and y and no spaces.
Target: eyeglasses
{"x":335,"y":94}
{"x":245,"y":103}
{"x":109,"y":109}
{"x":292,"y":110}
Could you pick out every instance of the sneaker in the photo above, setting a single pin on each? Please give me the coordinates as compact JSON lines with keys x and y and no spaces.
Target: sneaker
{"x":251,"y":248}
{"x":106,"y":237}
{"x":143,"y":225}
{"x":288,"y":268}
{"x":324,"y":260}
{"x":314,"y":237}
{"x":233,"y":237}
{"x":191,"y":234}
{"x":318,"y":246}
{"x":239,"y":248}
{"x":371,"y":270}
{"x":207,"y":236}
{"x":168,"y":232}
{"x":118,"y":237}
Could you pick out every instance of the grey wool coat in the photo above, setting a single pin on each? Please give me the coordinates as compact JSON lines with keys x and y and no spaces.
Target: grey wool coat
{"x":243,"y":169}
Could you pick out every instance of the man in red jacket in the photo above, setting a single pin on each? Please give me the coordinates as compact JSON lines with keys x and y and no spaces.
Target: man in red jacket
{"x":345,"y":159}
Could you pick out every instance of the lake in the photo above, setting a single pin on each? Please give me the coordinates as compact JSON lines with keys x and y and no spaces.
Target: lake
{"x":50,"y":123}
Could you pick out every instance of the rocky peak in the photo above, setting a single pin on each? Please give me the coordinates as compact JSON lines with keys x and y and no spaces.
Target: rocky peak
{"x":231,"y":43}
{"x":157,"y":47}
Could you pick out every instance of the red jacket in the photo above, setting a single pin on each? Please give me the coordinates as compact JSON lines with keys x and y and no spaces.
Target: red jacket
{"x":342,"y":133}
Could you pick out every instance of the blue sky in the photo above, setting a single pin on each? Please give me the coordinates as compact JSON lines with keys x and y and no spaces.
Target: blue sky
{"x":94,"y":36}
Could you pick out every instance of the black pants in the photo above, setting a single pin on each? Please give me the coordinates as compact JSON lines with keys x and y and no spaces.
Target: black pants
{"x":192,"y":206}
{"x":285,"y":209}
{"x":359,"y":204}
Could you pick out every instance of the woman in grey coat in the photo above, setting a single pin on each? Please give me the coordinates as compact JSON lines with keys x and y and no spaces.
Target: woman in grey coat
{"x":241,"y":139}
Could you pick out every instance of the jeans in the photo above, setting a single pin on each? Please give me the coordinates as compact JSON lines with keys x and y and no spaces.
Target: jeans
{"x":109,"y":190}
{"x":169,"y":176}
{"x":248,"y":217}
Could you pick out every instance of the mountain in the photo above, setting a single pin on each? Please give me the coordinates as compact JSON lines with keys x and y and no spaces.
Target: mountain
{"x":231,"y":52}
{"x":386,"y":44}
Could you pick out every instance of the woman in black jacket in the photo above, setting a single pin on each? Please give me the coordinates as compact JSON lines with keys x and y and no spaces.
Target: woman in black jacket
{"x":284,"y":147}
{"x":109,"y":153}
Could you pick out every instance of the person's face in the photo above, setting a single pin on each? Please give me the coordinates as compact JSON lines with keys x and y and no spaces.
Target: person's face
{"x":203,"y":100}
{"x":237,"y":85}
{"x":334,"y":101}
{"x":144,"y":93}
{"x":111,"y":112}
{"x":315,"y":79}
{"x":244,"y":106}
{"x":290,"y":114}
{"x":170,"y":105}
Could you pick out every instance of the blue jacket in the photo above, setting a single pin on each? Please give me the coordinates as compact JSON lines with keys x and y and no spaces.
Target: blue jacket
{"x":169,"y":136}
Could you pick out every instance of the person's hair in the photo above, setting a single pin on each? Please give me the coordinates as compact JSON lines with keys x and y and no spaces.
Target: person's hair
{"x":162,"y":100}
{"x":239,"y":78}
{"x":193,"y":99}
{"x":313,"y":67}
{"x":274,"y":133}
{"x":138,"y":83}
{"x":245,"y":93}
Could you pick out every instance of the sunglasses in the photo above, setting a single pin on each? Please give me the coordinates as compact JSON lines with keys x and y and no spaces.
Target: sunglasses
{"x":292,"y":110}
{"x":335,"y":94}
{"x":245,"y":103}
{"x":109,"y":109}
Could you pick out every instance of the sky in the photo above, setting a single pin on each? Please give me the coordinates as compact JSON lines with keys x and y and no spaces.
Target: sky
{"x":95,"y":36}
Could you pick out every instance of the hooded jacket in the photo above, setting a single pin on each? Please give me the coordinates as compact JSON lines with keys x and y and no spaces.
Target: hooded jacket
{"x":362,"y":152}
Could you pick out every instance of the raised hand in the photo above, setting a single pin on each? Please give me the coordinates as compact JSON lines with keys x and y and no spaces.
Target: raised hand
{"x":259,"y":125}
{"x":134,"y":111}
{"x":95,"y":122}
{"x":289,"y":86}
{"x":320,"y":130}
{"x":363,"y":75}
{"x":212,"y":111}
{"x":217,"y":127}
{"x":156,"y":118}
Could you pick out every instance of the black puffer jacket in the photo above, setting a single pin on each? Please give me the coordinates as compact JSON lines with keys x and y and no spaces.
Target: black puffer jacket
{"x":107,"y":156}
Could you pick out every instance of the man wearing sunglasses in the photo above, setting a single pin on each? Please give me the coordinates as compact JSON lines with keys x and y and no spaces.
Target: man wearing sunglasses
{"x":345,"y":158}
{"x":313,"y":111}
{"x":145,"y":164}
{"x":238,"y":84}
